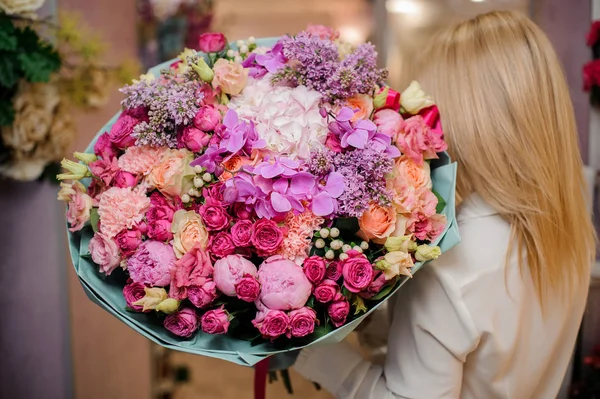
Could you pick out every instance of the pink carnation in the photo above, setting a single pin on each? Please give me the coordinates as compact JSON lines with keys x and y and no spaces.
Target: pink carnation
{"x":120,"y":209}
{"x":104,"y":169}
{"x":140,"y":160}
{"x":418,"y":142}
{"x":428,"y":228}
{"x":152,"y":264}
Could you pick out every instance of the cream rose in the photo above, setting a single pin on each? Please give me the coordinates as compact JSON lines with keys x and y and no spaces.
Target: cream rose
{"x":173,"y":176}
{"x":188,"y":229}
{"x":230,"y":76}
{"x":414,"y":99}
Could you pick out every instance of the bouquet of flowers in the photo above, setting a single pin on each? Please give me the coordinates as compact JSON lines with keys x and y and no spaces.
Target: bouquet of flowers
{"x":259,"y":197}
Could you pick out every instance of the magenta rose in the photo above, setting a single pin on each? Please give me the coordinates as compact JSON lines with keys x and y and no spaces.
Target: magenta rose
{"x":215,"y":321}
{"x":105,"y":252}
{"x":266,"y":237}
{"x":231,"y":270}
{"x":212,"y":42}
{"x":134,"y":292}
{"x":241,"y":233}
{"x":215,"y":217}
{"x":160,"y":230}
{"x":314,"y":268}
{"x":203,"y":296}
{"x":159,"y":210}
{"x":152,"y":264}
{"x":207,"y":119}
{"x":104,"y":169}
{"x":334,"y":271}
{"x":376,"y":286}
{"x":128,"y":241}
{"x":139,"y":113}
{"x":333,"y":142}
{"x":248,"y":288}
{"x":326,"y":291}
{"x":104,"y":148}
{"x":182,"y":323}
{"x":142,"y":227}
{"x":192,"y":269}
{"x":120,"y":132}
{"x":194,"y":139}
{"x":284,"y":285}
{"x":272,"y":324}
{"x":125,"y":179}
{"x":357,"y":271}
{"x":221,"y":245}
{"x":338,"y":312}
{"x":241,"y":211}
{"x":302,"y":322}
{"x":213,"y":193}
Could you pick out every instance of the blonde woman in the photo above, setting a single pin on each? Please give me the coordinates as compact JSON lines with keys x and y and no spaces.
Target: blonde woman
{"x":498,"y":315}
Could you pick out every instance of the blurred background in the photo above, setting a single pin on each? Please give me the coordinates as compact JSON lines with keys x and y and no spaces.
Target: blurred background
{"x":55,"y":343}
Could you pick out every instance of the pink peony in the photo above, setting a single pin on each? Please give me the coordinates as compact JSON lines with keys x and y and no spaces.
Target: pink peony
{"x":194,"y":139}
{"x":120,"y":132}
{"x":326,"y":291}
{"x":104,"y":148}
{"x":105,"y":252}
{"x":272,"y":323}
{"x":152,"y":264}
{"x":212,"y":42}
{"x":248,"y":288}
{"x":215,"y":321}
{"x":215,"y":217}
{"x":231,"y":270}
{"x":389,"y":122}
{"x":128,"y":241}
{"x":125,"y":179}
{"x":314,"y":268}
{"x":357,"y":271}
{"x":160,"y":230}
{"x":134,"y":292}
{"x":302,"y":322}
{"x":283,"y":284}
{"x":241,"y":233}
{"x":193,"y":269}
{"x":334,"y":271}
{"x":207,"y":118}
{"x":338,"y":312}
{"x":182,"y":323}
{"x":221,"y":245}
{"x":266,"y":237}
{"x":104,"y":169}
{"x":120,"y":209}
{"x":141,"y":160}
{"x":203,"y":296}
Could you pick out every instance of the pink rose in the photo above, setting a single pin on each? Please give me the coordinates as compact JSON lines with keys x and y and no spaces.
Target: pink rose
{"x":203,"y":296}
{"x":209,"y":95}
{"x":182,"y":323}
{"x":314,"y":268}
{"x":215,"y":321}
{"x":162,"y":209}
{"x":215,"y":217}
{"x":96,"y":188}
{"x":376,"y":286}
{"x":334,"y":271}
{"x":323,"y":32}
{"x":120,"y":132}
{"x":142,"y":226}
{"x":302,"y":322}
{"x":248,"y":288}
{"x":192,"y":269}
{"x":326,"y":291}
{"x":333,"y":142}
{"x":221,"y":245}
{"x":104,"y":169}
{"x":128,"y":241}
{"x":272,"y":324}
{"x":230,"y":76}
{"x":207,"y":119}
{"x":338,"y":312}
{"x":152,"y":264}
{"x":194,"y":139}
{"x":104,"y":148}
{"x":389,"y":122}
{"x":79,"y":208}
{"x":241,"y":233}
{"x":212,"y":42}
{"x":357,"y":271}
{"x":266,"y":237}
{"x":231,"y":270}
{"x":160,"y":230}
{"x":125,"y":179}
{"x":214,"y":193}
{"x":105,"y":252}
{"x":242,"y":211}
{"x":283,"y":284}
{"x":134,"y":292}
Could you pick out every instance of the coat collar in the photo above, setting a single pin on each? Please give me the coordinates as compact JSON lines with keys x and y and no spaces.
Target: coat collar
{"x":474,"y":207}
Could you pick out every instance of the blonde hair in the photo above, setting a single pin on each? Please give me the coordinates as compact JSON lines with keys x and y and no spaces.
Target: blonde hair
{"x":509,"y":123}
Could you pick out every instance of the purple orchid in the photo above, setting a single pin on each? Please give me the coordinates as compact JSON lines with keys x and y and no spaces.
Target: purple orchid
{"x":211,"y":159}
{"x":324,"y":202}
{"x":271,"y":61}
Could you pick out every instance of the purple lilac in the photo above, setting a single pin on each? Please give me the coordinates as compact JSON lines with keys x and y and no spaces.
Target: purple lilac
{"x":363,"y":61}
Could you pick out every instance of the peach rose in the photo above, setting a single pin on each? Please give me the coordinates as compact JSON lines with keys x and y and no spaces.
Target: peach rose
{"x":230,"y":76}
{"x":377,"y":223}
{"x":188,"y":229}
{"x":362,"y":104}
{"x":173,"y":176}
{"x":417,"y":176}
{"x":232,"y":165}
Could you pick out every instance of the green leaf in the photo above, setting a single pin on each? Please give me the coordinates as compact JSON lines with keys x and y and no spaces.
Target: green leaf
{"x":27,"y":39}
{"x":346,"y":293}
{"x":348,"y":226}
{"x":94,"y":219}
{"x":8,"y":36}
{"x":7,"y":112}
{"x":441,"y":202}
{"x":39,"y":65}
{"x":311,"y":302}
{"x":8,"y":69}
{"x":321,"y":331}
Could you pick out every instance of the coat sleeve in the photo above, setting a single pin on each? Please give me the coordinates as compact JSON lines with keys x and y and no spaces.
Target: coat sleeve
{"x":431,"y":335}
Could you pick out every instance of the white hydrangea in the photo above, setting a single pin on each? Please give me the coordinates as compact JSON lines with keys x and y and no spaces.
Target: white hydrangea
{"x":13,"y":7}
{"x":286,"y":118}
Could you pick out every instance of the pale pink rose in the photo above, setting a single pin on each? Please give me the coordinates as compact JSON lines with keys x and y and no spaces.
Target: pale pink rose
{"x":284,"y":286}
{"x":120,"y":209}
{"x":231,"y":77}
{"x":193,"y":269}
{"x":194,"y":139}
{"x":173,"y":176}
{"x":207,"y":118}
{"x":389,"y":122}
{"x":141,"y":160}
{"x":230,"y":270}
{"x":105,"y":252}
{"x":79,"y":207}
